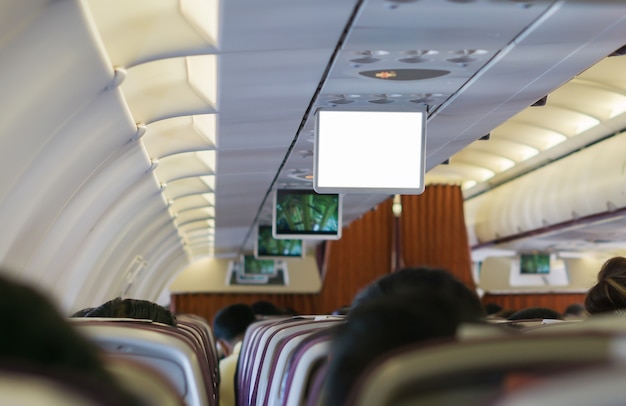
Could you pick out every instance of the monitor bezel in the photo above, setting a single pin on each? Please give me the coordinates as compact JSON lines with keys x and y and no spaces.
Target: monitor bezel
{"x":420,"y":157}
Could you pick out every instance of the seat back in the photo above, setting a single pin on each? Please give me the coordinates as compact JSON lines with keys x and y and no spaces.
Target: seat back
{"x":203,"y":332}
{"x":280,"y":349}
{"x":248,"y":359}
{"x":146,"y":383}
{"x":477,"y":371}
{"x":27,"y":385}
{"x":167,"y":349}
{"x":307,"y":357}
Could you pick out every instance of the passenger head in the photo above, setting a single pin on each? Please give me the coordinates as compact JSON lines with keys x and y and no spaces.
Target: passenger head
{"x":575,"y":310}
{"x":379,"y":326}
{"x":609,"y":292}
{"x":408,"y":306}
{"x":230,"y":324}
{"x":133,"y":309}
{"x":536,"y":313}
{"x":420,"y":280}
{"x":82,"y":312}
{"x":492,"y":309}
{"x":37,"y":336}
{"x":265,"y":308}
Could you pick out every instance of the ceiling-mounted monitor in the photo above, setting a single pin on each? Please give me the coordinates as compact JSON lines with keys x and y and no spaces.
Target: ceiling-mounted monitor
{"x":305,"y":214}
{"x":535,"y":263}
{"x":255,"y":266}
{"x":369,"y":151}
{"x":269,"y":247}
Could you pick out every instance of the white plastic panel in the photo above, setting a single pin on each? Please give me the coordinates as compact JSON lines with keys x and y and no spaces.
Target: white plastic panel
{"x":143,"y":30}
{"x":181,"y":134}
{"x":589,"y":182}
{"x":119,"y":227}
{"x":172,"y":87}
{"x":49,"y":68}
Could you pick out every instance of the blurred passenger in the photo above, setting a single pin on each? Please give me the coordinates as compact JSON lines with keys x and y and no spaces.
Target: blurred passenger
{"x":267,"y":308}
{"x":408,"y":306}
{"x":530,"y":313}
{"x":341,"y":311}
{"x":609,"y":293}
{"x":505,"y":313}
{"x":82,"y":312}
{"x":36,"y":336}
{"x":492,"y":309}
{"x":133,"y":309}
{"x":415,"y":281}
{"x":229,"y":326}
{"x":575,"y":311}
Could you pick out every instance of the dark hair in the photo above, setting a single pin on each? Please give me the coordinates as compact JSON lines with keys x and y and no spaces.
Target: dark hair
{"x":536,"y":313}
{"x":492,"y":308}
{"x":419,"y":280}
{"x":36,"y":335}
{"x":232,"y":321}
{"x":407,"y":306}
{"x":380,"y":325}
{"x":265,"y":308}
{"x":82,"y":312}
{"x":575,"y":309}
{"x":609,"y":292}
{"x":133,"y":309}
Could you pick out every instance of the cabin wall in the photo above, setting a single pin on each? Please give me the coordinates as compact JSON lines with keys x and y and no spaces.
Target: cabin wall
{"x":430,"y":232}
{"x":495,"y":278}
{"x":210,"y":275}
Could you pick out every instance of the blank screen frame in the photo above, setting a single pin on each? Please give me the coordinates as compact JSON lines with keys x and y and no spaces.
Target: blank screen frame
{"x":356,"y":156}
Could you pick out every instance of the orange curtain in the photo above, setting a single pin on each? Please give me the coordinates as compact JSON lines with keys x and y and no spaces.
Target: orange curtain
{"x":433,"y":231}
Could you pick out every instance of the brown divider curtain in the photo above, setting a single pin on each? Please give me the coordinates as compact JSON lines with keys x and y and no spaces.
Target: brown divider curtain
{"x":431,"y":233}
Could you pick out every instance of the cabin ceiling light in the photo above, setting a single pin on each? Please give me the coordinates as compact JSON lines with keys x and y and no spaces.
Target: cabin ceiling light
{"x":618,"y":107}
{"x":552,"y":138}
{"x":585,"y":123}
{"x":468,"y":184}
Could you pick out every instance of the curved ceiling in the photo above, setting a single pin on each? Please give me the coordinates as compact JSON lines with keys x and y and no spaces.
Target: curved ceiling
{"x":141,"y":136}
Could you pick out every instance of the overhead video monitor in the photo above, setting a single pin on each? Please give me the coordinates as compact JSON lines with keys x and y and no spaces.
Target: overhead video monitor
{"x":305,"y":214}
{"x":364,"y":151}
{"x":535,"y":264}
{"x":255,"y":266}
{"x":269,"y":247}
{"x":257,"y":272}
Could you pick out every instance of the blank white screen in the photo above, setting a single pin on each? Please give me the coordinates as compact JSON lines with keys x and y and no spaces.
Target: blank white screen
{"x":369,"y":150}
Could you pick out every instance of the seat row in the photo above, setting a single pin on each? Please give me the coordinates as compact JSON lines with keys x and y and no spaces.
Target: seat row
{"x":279,"y":360}
{"x":283,"y":362}
{"x":164,"y":365}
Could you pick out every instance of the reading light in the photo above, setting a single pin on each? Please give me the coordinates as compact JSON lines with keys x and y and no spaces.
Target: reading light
{"x":469,"y":184}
